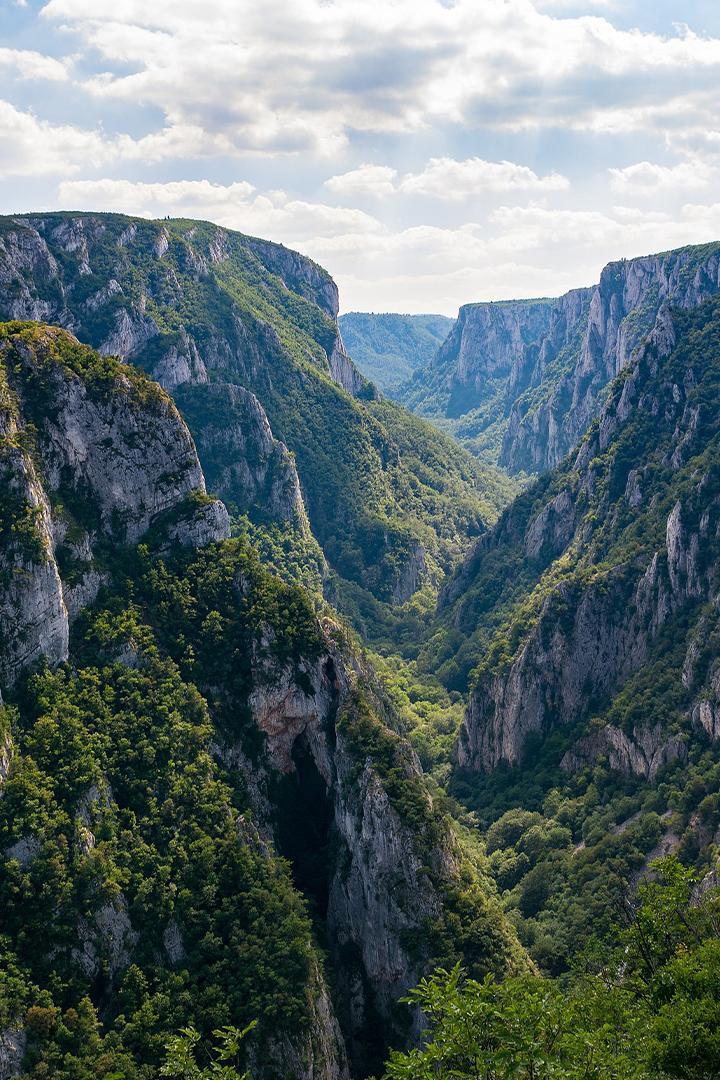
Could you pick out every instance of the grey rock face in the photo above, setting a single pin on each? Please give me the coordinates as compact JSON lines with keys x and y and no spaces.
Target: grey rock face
{"x":553,"y":527}
{"x":108,"y":936}
{"x":605,"y":636}
{"x":541,"y":369}
{"x":6,"y":756}
{"x":13,"y":1042}
{"x":489,"y":341}
{"x":173,"y":942}
{"x":625,"y":306}
{"x":119,"y":456}
{"x":298,"y":273}
{"x":118,"y":322}
{"x":33,"y":613}
{"x":244,"y":464}
{"x":589,"y":638}
{"x":411,"y":576}
{"x":706,"y":717}
{"x":378,"y":889}
{"x":643,"y":753}
{"x":24,"y":850}
{"x":344,"y":371}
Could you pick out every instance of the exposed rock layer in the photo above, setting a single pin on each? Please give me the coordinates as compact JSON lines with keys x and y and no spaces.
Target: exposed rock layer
{"x":613,"y":562}
{"x":89,"y":456}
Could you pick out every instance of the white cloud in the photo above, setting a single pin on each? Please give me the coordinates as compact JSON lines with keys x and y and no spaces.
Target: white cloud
{"x":287,"y":94}
{"x":32,"y":147}
{"x":237,"y":206}
{"x":374,"y":180}
{"x":446,"y":178}
{"x":277,"y":77}
{"x":32,"y":65}
{"x":644,"y":177}
{"x":561,"y":5}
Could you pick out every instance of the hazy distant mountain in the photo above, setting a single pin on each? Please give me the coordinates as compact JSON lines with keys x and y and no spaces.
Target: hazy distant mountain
{"x":389,"y":348}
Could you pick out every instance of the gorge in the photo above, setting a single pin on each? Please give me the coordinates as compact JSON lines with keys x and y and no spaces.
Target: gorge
{"x":305,"y":698}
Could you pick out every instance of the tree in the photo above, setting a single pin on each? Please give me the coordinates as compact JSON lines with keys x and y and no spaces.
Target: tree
{"x":525,"y":1028}
{"x":181,"y":1057}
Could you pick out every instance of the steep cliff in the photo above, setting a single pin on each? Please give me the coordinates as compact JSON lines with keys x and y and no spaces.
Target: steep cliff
{"x":519,"y":382}
{"x":343,"y":795}
{"x":92,"y":454}
{"x":244,"y":334}
{"x":464,"y":386}
{"x":616,"y":555}
{"x":195,"y":719}
{"x":547,"y":421}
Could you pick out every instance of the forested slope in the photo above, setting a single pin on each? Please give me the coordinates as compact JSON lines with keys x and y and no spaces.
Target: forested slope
{"x":209,"y":814}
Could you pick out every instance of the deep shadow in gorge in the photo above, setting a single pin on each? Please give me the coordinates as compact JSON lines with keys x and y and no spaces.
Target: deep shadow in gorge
{"x":305,"y":823}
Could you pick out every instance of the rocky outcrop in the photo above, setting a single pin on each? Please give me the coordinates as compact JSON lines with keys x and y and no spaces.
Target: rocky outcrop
{"x":33,"y":612}
{"x":706,"y":718}
{"x":6,"y":756}
{"x":541,"y":369}
{"x":297,"y":273}
{"x":643,"y":753}
{"x":411,"y":575}
{"x":317,"y":1053}
{"x":369,"y":873}
{"x":548,"y":421}
{"x":587,"y":630}
{"x":105,"y":941}
{"x":344,"y":371}
{"x":244,"y":334}
{"x":89,"y":454}
{"x":489,"y":343}
{"x":13,"y":1042}
{"x":243,"y":463}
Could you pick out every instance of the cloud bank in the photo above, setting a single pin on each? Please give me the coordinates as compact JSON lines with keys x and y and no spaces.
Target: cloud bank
{"x":428,"y":152}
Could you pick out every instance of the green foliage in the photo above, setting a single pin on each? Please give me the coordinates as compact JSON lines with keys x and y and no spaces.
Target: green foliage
{"x":430,"y":714}
{"x":115,"y":813}
{"x":36,"y":350}
{"x":390,"y":484}
{"x":294,"y":556}
{"x":603,"y":1025}
{"x":181,"y":1059}
{"x":523,"y":1028}
{"x":389,"y":348}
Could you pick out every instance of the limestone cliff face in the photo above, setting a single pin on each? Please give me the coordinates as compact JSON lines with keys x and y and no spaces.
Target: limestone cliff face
{"x":545,"y":425}
{"x":43,"y":261}
{"x":89,"y":455}
{"x":243,"y":463}
{"x":244,"y":334}
{"x":298,"y":273}
{"x":13,"y":1042}
{"x":491,"y":346}
{"x":375,"y":880}
{"x":344,"y":371}
{"x":624,"y":560}
{"x":487,"y":343}
{"x":642,"y":753}
{"x":521,"y":381}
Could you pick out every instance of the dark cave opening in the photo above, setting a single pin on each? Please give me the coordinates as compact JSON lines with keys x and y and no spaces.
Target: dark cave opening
{"x":305,"y":820}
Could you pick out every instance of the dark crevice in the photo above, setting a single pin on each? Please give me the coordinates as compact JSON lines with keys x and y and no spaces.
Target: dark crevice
{"x":305,"y":823}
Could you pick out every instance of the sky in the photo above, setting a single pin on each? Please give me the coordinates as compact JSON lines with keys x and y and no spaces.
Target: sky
{"x":428,"y":153}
